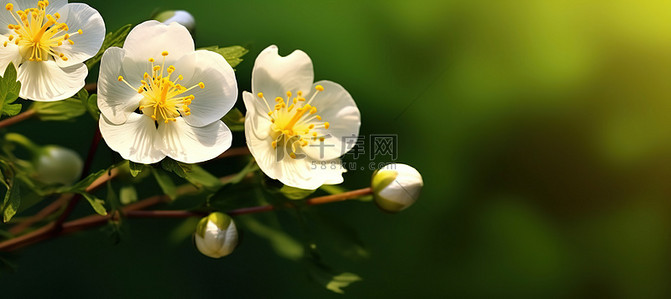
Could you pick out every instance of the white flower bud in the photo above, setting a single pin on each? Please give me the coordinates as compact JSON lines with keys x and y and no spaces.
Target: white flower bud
{"x":396,"y":187}
{"x":216,"y":235}
{"x":57,"y":165}
{"x":182,"y":17}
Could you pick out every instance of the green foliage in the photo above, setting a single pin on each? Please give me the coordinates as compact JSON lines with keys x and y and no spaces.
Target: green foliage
{"x":233,"y":54}
{"x":12,"y":200}
{"x":67,"y":109}
{"x":326,"y":276}
{"x":165,"y":182}
{"x":234,"y":120}
{"x":135,"y":168}
{"x":283,"y":244}
{"x":97,"y":204}
{"x":112,"y":39}
{"x":127,"y":194}
{"x":9,"y":92}
{"x":195,"y":174}
{"x":295,"y":193}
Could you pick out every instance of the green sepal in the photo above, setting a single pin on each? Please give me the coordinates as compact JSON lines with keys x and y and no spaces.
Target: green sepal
{"x":135,"y":168}
{"x":97,"y":204}
{"x":295,"y":193}
{"x":165,"y":182}
{"x":67,"y":109}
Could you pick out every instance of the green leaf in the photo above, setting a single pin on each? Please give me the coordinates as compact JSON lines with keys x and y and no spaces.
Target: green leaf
{"x":232,"y":54}
{"x":112,"y":39}
{"x":127,"y":194}
{"x":59,"y":110}
{"x":284,"y":245}
{"x":178,"y":168}
{"x":166,"y":184}
{"x":12,"y":201}
{"x":135,"y":168}
{"x":250,"y":167}
{"x":202,"y":179}
{"x":342,"y":280}
{"x":9,"y":92}
{"x":97,"y":204}
{"x":333,"y":189}
{"x":92,"y":106}
{"x":234,"y":120}
{"x":83,"y":184}
{"x":295,"y":193}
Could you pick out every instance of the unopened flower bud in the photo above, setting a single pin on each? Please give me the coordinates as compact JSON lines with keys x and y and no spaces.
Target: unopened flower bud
{"x":216,"y":235}
{"x":182,"y":17}
{"x":396,"y":187}
{"x":57,"y":165}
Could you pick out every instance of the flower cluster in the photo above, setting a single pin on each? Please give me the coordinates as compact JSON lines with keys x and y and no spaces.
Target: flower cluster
{"x":158,"y":97}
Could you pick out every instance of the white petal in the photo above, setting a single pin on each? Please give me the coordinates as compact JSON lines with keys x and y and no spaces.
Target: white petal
{"x":262,"y":150}
{"x":336,"y":106}
{"x":188,"y":144}
{"x":44,"y":81}
{"x":134,"y":140}
{"x":151,"y":38}
{"x":309,"y":174}
{"x":259,"y":121}
{"x":81,"y":16}
{"x":115,"y":99}
{"x":218,"y":97}
{"x":8,"y":54}
{"x":274,"y":75}
{"x":6,"y":18}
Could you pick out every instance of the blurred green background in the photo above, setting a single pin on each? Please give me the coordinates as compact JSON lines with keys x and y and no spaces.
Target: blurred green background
{"x":541,"y":129}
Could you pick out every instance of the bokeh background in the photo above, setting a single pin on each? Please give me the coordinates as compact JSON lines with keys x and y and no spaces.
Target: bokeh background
{"x":541,"y":128}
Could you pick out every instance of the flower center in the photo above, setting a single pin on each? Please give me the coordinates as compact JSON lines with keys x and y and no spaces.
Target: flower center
{"x":294,"y":124}
{"x":163,"y":100}
{"x":37,"y":33}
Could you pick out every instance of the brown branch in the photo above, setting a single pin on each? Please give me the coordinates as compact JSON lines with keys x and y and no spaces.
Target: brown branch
{"x":232,"y":152}
{"x":134,"y":211}
{"x":17,"y":118}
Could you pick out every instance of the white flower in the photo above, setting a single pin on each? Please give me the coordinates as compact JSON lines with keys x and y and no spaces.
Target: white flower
{"x":48,"y":41}
{"x":295,"y":128}
{"x":396,"y":187}
{"x":159,"y":97}
{"x":216,"y":235}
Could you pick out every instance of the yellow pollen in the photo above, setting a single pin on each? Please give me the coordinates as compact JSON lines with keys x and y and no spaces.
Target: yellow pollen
{"x":80,"y":31}
{"x":120,"y":78}
{"x":9,"y":6}
{"x":319,"y":87}
{"x":164,"y":53}
{"x":163,"y":100}
{"x":151,"y":60}
{"x":292,"y":155}
{"x":326,"y":125}
{"x":321,"y":138}
{"x":288,"y":94}
{"x":299,"y":93}
{"x":260,"y":95}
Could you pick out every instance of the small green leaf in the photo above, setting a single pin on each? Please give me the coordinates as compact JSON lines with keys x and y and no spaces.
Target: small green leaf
{"x":97,"y":204}
{"x":341,"y":281}
{"x":127,"y":194}
{"x":202,"y":179}
{"x":284,"y":245}
{"x":166,"y":184}
{"x":9,"y":92}
{"x":178,"y":168}
{"x":67,"y":109}
{"x":83,"y":184}
{"x":135,"y":168}
{"x":112,"y":39}
{"x":232,"y":54}
{"x":295,"y":193}
{"x":234,"y":120}
{"x":12,"y":201}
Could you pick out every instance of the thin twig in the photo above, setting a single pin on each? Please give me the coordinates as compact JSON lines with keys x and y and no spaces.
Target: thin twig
{"x":17,"y":118}
{"x":134,"y":211}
